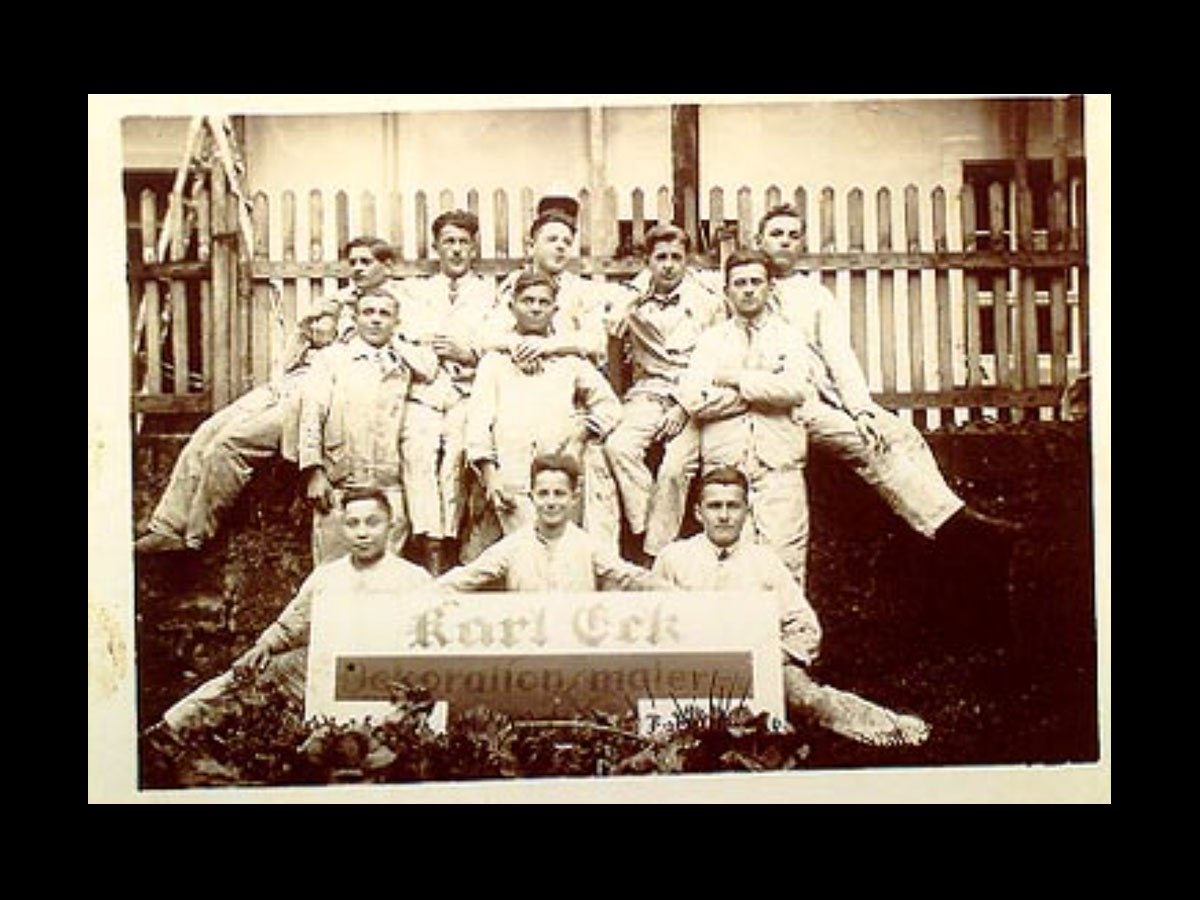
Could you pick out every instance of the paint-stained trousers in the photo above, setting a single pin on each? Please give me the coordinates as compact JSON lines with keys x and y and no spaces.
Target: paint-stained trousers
{"x":216,"y":701}
{"x":654,"y":503}
{"x":905,"y":474}
{"x":219,"y":460}
{"x":846,"y":713}
{"x":433,"y":458}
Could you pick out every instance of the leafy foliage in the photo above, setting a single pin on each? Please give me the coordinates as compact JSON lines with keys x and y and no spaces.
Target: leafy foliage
{"x":270,"y":745}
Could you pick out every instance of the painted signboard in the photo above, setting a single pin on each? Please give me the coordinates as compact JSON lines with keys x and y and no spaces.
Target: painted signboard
{"x":546,"y":655}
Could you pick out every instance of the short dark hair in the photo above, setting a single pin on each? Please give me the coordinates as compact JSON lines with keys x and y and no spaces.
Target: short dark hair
{"x":666,"y":233}
{"x":532,"y":278}
{"x":555,"y":462}
{"x":380,"y":249}
{"x":460,"y":218}
{"x":725,"y":475}
{"x":356,"y":493}
{"x":550,"y":217}
{"x":779,"y":211}
{"x":747,"y":258}
{"x":380,"y":290}
{"x":568,"y":206}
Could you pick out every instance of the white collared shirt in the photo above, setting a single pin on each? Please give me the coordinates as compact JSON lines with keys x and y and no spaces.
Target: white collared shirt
{"x":465,"y":310}
{"x":516,"y":414}
{"x":390,"y":575}
{"x":526,"y":561}
{"x":697,"y":564}
{"x":351,"y":411}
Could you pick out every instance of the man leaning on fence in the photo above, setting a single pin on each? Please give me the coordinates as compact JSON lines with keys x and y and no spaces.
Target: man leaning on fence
{"x":221,"y":457}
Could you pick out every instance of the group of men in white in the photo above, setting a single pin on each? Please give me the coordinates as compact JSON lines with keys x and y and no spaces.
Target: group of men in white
{"x":456,"y":433}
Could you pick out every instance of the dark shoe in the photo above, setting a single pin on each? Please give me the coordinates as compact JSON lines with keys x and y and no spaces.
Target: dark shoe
{"x":971,"y":531}
{"x":155,"y":542}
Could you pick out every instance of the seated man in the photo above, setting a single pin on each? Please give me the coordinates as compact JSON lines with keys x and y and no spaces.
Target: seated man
{"x":551,"y":553}
{"x":222,"y":455}
{"x":723,"y":559}
{"x":661,"y":329}
{"x":351,"y":413}
{"x":517,"y":412}
{"x":280,"y":655}
{"x":885,"y":451}
{"x":746,"y":377}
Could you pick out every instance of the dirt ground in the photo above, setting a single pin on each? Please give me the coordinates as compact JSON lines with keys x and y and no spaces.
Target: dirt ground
{"x":1002,"y":665}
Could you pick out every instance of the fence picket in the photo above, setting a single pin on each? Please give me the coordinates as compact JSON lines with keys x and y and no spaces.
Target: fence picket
{"x":666,"y":209}
{"x":997,"y":195}
{"x":719,"y":231}
{"x":1059,"y":322}
{"x":500,"y":212}
{"x":203,"y":207}
{"x":222,"y":284}
{"x":150,"y":317}
{"x":941,"y":291}
{"x":368,"y":218}
{"x":638,"y":207}
{"x":858,"y":279}
{"x":916,"y":318}
{"x":611,"y":237}
{"x":341,"y":221}
{"x":421,"y":202}
{"x":287,"y":224}
{"x":800,"y":201}
{"x":179,"y":304}
{"x":973,"y":331}
{"x":828,"y":235}
{"x":585,"y":227}
{"x":266,"y":345}
{"x":887,"y":293}
{"x":528,"y":207}
{"x":745,"y":214}
{"x":395,"y":233}
{"x":1027,"y":334}
{"x":243,"y":297}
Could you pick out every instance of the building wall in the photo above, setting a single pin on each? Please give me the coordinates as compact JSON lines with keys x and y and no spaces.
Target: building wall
{"x":547,"y":150}
{"x":815,"y":144}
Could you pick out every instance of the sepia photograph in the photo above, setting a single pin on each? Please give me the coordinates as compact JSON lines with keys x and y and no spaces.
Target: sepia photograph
{"x":599,"y":448}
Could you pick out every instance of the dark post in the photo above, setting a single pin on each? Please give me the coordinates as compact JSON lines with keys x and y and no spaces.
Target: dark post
{"x":685,"y":167}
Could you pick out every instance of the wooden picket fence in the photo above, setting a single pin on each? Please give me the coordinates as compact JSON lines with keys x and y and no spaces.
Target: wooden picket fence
{"x":994,"y":326}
